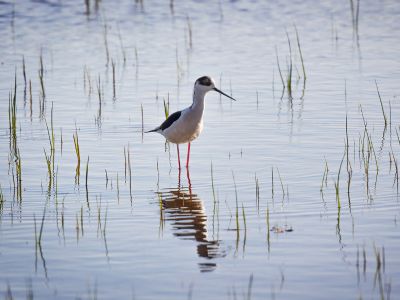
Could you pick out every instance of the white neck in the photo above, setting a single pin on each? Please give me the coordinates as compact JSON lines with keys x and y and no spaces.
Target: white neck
{"x":198,"y":100}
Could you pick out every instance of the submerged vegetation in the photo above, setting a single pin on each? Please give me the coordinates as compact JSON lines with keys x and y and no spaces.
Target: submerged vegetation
{"x":288,"y":83}
{"x":236,"y":211}
{"x":78,"y":157}
{"x":14,"y":152}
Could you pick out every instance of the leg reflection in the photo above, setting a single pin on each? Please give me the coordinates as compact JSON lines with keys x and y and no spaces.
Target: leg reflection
{"x":185,"y":211}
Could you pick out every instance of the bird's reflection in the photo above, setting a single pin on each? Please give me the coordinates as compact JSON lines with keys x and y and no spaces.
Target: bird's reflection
{"x":185,"y":211}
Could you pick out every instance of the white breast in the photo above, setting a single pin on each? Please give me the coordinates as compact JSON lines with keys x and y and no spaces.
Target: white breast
{"x":187,"y":128}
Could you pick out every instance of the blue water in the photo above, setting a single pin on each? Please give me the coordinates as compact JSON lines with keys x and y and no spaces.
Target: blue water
{"x":173,"y":235}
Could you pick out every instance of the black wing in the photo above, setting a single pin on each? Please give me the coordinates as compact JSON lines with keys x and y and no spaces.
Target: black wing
{"x":170,"y":120}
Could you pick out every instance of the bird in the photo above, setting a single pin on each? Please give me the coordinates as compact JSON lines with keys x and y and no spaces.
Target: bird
{"x":185,"y":125}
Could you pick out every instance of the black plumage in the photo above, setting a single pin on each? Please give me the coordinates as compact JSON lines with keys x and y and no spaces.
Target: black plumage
{"x":205,"y":80}
{"x":168,"y":122}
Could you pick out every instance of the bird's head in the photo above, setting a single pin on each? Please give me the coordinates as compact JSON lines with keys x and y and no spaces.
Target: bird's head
{"x":205,"y":84}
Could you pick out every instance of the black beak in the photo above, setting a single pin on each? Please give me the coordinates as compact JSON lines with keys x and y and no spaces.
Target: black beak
{"x":221,"y":92}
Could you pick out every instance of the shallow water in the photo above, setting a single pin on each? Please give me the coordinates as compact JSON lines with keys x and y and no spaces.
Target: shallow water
{"x":161,"y":233}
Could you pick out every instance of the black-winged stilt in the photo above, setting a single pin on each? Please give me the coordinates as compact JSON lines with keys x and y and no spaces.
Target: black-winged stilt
{"x":186,"y":125}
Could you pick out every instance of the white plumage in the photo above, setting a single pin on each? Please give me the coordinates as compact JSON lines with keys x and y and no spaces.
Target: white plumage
{"x":186,"y":125}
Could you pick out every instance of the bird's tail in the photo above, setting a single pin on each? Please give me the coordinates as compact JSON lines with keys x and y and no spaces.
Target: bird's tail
{"x":153,"y":130}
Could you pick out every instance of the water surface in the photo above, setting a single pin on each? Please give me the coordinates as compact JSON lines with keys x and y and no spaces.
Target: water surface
{"x":150,"y":231}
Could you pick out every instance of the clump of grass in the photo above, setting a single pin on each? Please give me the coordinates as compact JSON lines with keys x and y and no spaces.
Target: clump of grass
{"x":324,"y":177}
{"x":30,"y":100}
{"x":367,"y":152}
{"x":106,"y":173}
{"x":100,"y":101}
{"x":290,"y":70}
{"x":396,"y":173}
{"x":78,"y":156}
{"x":287,"y":82}
{"x":41,"y":76}
{"x":51,"y":157}
{"x":280,"y":71}
{"x":18,"y":165}
{"x":12,"y":117}
{"x":302,"y":62}
{"x":102,"y":226}
{"x":38,"y":237}
{"x":245,"y":227}
{"x":337,"y":183}
{"x":257,"y":193}
{"x":236,"y":212}
{"x":338,"y":231}
{"x":49,"y":170}
{"x":347,"y":146}
{"x":166,"y":107}
{"x":24,"y":75}
{"x":62,"y":217}
{"x":162,"y":218}
{"x":81,"y":219}
{"x":129,"y":167}
{"x":105,"y":37}
{"x":99,"y":226}
{"x":105,"y":232}
{"x":215,"y":200}
{"x":86,"y":182}
{"x":15,"y":155}
{"x":380,"y":100}
{"x":212,"y":184}
{"x":61,"y":141}
{"x":282,"y":186}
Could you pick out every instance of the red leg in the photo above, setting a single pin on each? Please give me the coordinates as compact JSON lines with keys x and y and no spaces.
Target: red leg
{"x":179,"y":179}
{"x":188,"y":156}
{"x":179,"y":158}
{"x":189,"y":182}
